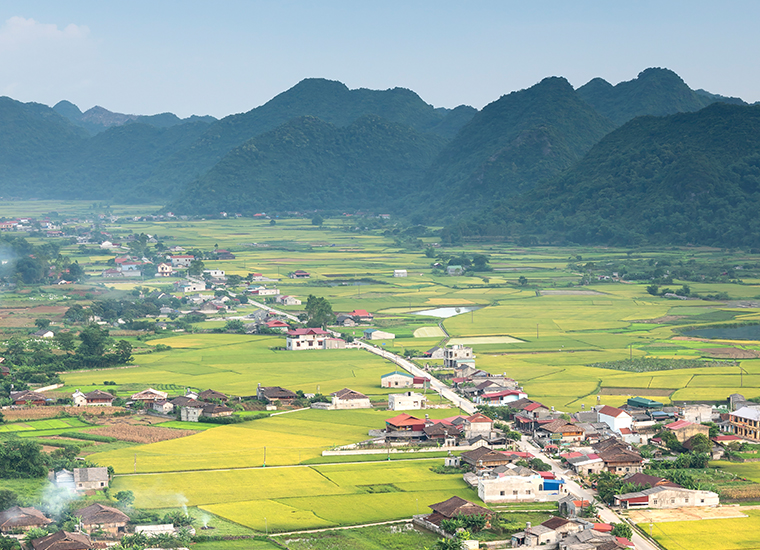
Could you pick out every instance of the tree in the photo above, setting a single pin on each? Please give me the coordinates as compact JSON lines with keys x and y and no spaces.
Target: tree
{"x":236,"y":325}
{"x":622,"y":530}
{"x":653,"y":290}
{"x":196,"y":268}
{"x":700,"y":444}
{"x":317,"y":220}
{"x":124,"y":351}
{"x":66,"y":341}
{"x":125,"y":498}
{"x":319,"y":311}
{"x":93,"y":341}
{"x":7,"y":499}
{"x":272,"y":222}
{"x":35,"y":533}
{"x":42,"y":323}
{"x":21,"y":458}
{"x":522,"y":280}
{"x":8,"y":543}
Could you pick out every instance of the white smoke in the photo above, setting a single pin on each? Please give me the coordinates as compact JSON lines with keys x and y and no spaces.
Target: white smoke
{"x":56,"y":499}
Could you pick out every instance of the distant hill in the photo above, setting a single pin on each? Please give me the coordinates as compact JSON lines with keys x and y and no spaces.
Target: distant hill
{"x":512,"y":144}
{"x":655,"y":91}
{"x":326,"y":100}
{"x":97,"y":119}
{"x":308,"y":164}
{"x":689,"y":178}
{"x":34,"y":142}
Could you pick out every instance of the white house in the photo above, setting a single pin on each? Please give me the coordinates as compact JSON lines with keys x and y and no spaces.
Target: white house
{"x":164,"y":270}
{"x":263,"y":291}
{"x":214,"y":273}
{"x":501,"y":398}
{"x":615,"y":418}
{"x":662,"y":496}
{"x":406,"y":401}
{"x":190,"y":285}
{"x":306,"y":338}
{"x":399,"y":273}
{"x":513,"y":483}
{"x":454,"y":353}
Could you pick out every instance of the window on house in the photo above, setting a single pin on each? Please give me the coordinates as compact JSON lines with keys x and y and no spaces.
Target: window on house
{"x":527,"y":491}
{"x":514,"y":492}
{"x":501,"y":493}
{"x":654,"y":501}
{"x":672,"y":501}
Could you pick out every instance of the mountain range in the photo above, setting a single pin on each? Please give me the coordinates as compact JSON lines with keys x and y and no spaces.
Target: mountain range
{"x":550,"y":161}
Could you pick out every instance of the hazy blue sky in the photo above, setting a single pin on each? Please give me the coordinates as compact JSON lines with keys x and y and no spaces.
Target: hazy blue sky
{"x":222,"y":57}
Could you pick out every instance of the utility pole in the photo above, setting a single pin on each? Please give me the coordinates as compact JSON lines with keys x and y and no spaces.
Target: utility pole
{"x":536,"y":331}
{"x":265,"y":457}
{"x":135,"y":462}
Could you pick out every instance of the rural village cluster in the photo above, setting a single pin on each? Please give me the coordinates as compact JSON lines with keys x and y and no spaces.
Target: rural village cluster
{"x":507,"y":447}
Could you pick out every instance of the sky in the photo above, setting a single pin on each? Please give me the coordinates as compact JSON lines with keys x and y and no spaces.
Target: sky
{"x":224,"y":57}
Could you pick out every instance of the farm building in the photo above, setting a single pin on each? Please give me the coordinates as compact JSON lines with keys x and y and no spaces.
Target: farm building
{"x":299,"y":274}
{"x":191,"y":412}
{"x":350,"y":399}
{"x":97,"y":517}
{"x":697,"y":413}
{"x":512,"y":483}
{"x":585,"y":464}
{"x":374,"y":334}
{"x":421,"y":382}
{"x":163,"y":406}
{"x":614,"y":418}
{"x":93,"y":398}
{"x":662,"y":497}
{"x":454,"y":270}
{"x":18,"y":518}
{"x":212,"y":410}
{"x":399,"y":273}
{"x":149,"y":395}
{"x":63,"y":540}
{"x":434,"y":353}
{"x":483,"y":457}
{"x":345,"y":320}
{"x":683,"y":430}
{"x":224,"y":255}
{"x":44,"y":333}
{"x":276,"y":324}
{"x":406,"y":401}
{"x":396,"y":379}
{"x":306,"y":338}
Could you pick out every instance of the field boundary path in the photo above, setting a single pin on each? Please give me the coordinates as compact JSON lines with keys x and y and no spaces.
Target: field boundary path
{"x":272,"y":310}
{"x":306,"y":532}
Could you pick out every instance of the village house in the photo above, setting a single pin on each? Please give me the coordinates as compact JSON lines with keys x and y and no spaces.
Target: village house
{"x":288,"y":300}
{"x":276,"y":324}
{"x":350,"y":399}
{"x":163,"y":406}
{"x":619,"y":458}
{"x":683,"y":430}
{"x":189,"y":285}
{"x":345,"y":320}
{"x":97,"y":517}
{"x":406,"y":401}
{"x":222,"y":254}
{"x":212,"y":410}
{"x":264,"y":291}
{"x":63,"y":540}
{"x":449,"y":509}
{"x":697,"y":413}
{"x":374,"y":334}
{"x":306,"y":338}
{"x":26,"y":397}
{"x":212,"y":395}
{"x":95,"y":398}
{"x":164,"y":270}
{"x":405,"y":423}
{"x":270,"y":394}
{"x":396,"y":379}
{"x":191,"y":411}
{"x":454,"y":270}
{"x":19,"y":518}
{"x":483,"y":457}
{"x":477,"y":424}
{"x":664,"y":497}
{"x":512,"y":483}
{"x":299,"y":274}
{"x":335,"y":343}
{"x":615,"y":418}
{"x":584,"y":464}
{"x":745,"y":422}
{"x":149,"y":396}
{"x":361,"y":316}
{"x":89,"y":480}
{"x":500,"y":398}
{"x":435,"y":352}
{"x":456,"y":353}
{"x":560,"y":432}
{"x":181,"y":260}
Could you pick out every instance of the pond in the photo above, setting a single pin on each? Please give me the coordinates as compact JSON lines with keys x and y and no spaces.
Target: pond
{"x":743,"y":332}
{"x":446,"y":312}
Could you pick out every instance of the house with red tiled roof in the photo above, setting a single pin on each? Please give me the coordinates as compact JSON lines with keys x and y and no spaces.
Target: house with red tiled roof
{"x":361,"y":315}
{"x":404,"y":423}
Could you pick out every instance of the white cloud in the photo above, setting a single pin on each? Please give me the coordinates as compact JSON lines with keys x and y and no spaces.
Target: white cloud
{"x":19,"y":32}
